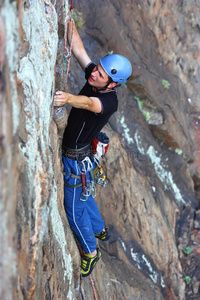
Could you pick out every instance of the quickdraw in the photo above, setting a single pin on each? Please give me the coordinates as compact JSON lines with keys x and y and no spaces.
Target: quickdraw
{"x":87,"y":177}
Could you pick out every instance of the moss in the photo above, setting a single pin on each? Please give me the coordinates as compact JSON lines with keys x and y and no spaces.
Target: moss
{"x":165,"y":84}
{"x":145,"y":113}
{"x":77,"y":16}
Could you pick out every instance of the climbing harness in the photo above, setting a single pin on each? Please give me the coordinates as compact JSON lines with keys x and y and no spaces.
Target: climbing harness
{"x":89,"y":178}
{"x":77,"y":154}
{"x":67,"y":53}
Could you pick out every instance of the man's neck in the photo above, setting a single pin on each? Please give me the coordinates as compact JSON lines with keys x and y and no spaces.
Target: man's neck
{"x":101,"y":90}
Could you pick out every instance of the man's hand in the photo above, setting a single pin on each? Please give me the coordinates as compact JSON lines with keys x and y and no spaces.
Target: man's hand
{"x":60,"y":98}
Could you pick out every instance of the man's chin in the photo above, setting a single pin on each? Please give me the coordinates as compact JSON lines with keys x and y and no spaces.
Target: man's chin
{"x":91,"y":81}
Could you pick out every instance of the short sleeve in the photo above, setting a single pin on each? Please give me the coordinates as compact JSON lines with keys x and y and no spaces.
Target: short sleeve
{"x":109,"y":103}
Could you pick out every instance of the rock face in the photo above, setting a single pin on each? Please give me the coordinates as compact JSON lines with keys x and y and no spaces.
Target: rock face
{"x":37,"y":247}
{"x":150,"y":202}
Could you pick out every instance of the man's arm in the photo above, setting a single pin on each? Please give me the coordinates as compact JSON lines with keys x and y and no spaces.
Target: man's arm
{"x":79,"y":101}
{"x":78,"y":48}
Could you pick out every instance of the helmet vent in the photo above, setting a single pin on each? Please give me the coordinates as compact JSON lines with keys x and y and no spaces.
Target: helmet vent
{"x":113,"y":71}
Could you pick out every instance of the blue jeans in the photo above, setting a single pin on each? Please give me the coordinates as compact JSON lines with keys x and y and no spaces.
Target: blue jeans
{"x":83,"y":216}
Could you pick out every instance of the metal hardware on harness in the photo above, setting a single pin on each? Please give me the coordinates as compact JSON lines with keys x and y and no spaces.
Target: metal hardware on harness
{"x":83,"y":178}
{"x":78,"y":177}
{"x":94,"y":176}
{"x":100,"y":177}
{"x":88,"y":186}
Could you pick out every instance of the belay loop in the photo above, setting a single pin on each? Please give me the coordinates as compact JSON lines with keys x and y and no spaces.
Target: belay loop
{"x":67,"y":54}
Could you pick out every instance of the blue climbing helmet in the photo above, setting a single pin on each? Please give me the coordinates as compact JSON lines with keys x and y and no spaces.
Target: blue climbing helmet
{"x":117,"y":67}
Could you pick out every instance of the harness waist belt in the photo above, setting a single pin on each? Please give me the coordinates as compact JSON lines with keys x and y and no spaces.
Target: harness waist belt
{"x":78,"y":154}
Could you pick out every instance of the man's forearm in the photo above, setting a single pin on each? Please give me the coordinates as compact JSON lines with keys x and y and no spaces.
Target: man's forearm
{"x":78,"y":48}
{"x":92,"y":104}
{"x":77,"y":41}
{"x":79,"y":101}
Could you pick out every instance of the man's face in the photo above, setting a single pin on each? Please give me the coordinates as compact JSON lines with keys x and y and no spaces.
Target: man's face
{"x":98,"y":78}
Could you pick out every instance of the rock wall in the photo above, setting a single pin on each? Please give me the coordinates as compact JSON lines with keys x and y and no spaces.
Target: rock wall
{"x":37,"y":247}
{"x":149,"y":204}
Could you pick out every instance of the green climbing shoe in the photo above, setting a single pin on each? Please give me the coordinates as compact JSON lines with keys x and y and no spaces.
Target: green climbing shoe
{"x":104,"y":235}
{"x":88,"y":263}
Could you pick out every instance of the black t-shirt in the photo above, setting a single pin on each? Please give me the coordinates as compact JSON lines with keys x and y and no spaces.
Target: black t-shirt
{"x":83,"y":125}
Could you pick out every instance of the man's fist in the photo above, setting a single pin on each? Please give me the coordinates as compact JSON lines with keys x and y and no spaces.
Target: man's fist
{"x":60,"y":98}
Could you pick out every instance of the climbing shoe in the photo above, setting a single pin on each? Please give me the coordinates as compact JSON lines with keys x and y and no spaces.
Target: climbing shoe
{"x":104,"y":235}
{"x":88,"y":263}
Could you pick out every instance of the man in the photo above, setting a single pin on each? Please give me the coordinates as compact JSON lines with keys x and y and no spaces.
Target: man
{"x":91,"y":109}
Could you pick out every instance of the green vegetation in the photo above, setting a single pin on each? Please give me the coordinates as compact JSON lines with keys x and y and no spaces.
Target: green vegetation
{"x":145,"y":113}
{"x":166,"y":84}
{"x":187,"y":279}
{"x":65,"y":64}
{"x":77,"y":16}
{"x":147,"y":116}
{"x":179,"y":151}
{"x":187,"y":250}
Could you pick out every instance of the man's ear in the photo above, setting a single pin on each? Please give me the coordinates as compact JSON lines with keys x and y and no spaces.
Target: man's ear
{"x":112,"y":85}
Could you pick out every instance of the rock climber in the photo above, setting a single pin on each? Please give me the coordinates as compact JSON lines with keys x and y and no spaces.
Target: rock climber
{"x":91,"y":109}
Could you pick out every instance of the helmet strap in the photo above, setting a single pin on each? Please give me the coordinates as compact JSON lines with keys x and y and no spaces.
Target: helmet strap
{"x":106,"y":86}
{"x":117,"y":85}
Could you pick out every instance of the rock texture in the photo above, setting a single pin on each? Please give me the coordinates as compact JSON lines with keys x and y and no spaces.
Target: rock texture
{"x":37,"y":246}
{"x":150,"y":204}
{"x":157,"y":141}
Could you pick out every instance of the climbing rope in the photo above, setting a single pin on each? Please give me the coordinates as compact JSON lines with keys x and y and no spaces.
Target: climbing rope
{"x":67,"y":57}
{"x":92,"y":283}
{"x":67,"y":54}
{"x":90,"y":276}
